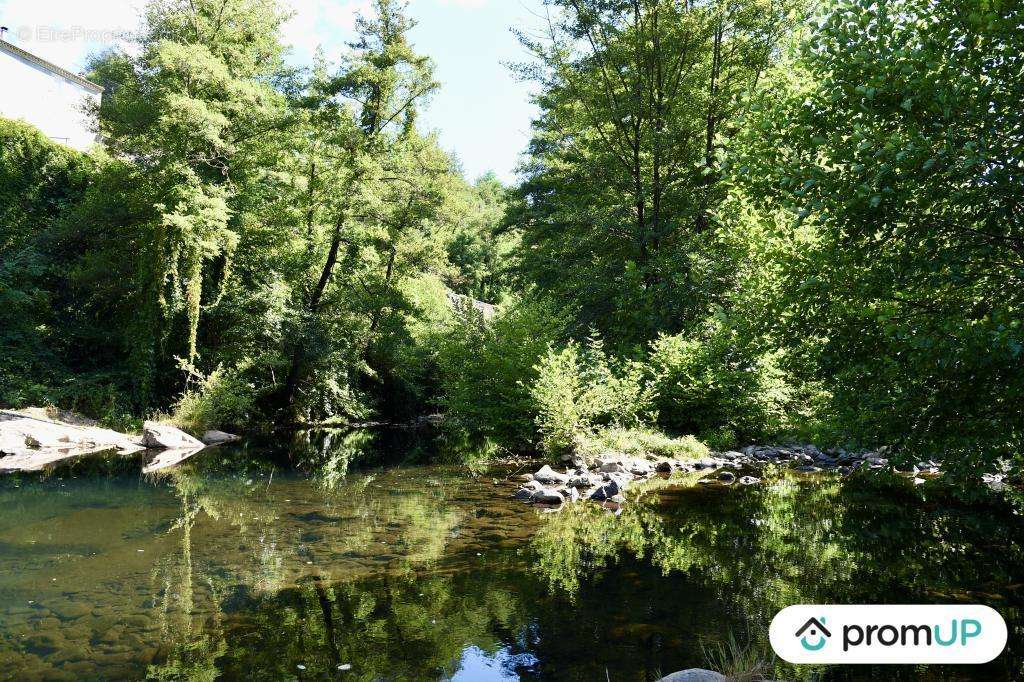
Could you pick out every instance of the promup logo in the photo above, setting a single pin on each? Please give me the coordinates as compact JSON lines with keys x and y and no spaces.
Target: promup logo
{"x":888,"y":634}
{"x":817,"y":629}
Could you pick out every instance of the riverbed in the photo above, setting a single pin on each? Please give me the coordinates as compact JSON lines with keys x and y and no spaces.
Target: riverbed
{"x":240,"y":565}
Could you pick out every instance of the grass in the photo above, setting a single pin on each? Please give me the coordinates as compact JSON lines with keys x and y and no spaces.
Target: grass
{"x":640,"y":442}
{"x":739,"y":663}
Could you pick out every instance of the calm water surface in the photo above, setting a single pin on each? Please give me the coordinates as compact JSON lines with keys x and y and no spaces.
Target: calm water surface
{"x":233,"y":567}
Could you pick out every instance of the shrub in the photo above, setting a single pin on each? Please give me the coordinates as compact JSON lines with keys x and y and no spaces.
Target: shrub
{"x":222,"y":399}
{"x":579,"y":388}
{"x":715,"y":384}
{"x":486,"y":370}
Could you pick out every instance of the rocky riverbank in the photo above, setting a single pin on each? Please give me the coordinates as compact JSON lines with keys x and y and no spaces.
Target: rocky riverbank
{"x":606,"y":478}
{"x":34,"y":439}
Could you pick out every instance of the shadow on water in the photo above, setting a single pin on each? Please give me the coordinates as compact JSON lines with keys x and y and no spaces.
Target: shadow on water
{"x":318,"y":562}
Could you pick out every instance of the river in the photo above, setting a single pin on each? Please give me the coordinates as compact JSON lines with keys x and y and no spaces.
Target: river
{"x":240,"y":564}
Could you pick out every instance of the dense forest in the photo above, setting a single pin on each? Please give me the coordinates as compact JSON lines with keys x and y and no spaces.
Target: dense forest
{"x":737,"y":220}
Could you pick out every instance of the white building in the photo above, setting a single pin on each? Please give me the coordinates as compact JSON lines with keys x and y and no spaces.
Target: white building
{"x":49,"y":97}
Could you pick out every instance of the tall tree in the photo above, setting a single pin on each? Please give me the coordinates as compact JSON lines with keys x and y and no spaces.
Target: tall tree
{"x":198,"y":91}
{"x":637,"y":97}
{"x":900,"y":156}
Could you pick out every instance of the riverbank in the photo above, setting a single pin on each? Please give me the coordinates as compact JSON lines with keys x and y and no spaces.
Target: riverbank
{"x":34,"y":438}
{"x":605,"y":478}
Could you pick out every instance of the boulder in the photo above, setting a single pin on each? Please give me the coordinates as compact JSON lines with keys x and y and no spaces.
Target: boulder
{"x":727,"y":476}
{"x":33,"y":441}
{"x":548,"y":475}
{"x":214,"y":437}
{"x":548,"y":496}
{"x":749,"y":480}
{"x":606,"y":491}
{"x":663,"y":467}
{"x":165,"y":436}
{"x":612,"y":468}
{"x":524,"y":494}
{"x":694,"y":675}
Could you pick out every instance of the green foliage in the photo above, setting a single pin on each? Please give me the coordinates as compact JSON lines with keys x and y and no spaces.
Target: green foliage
{"x":579,"y":388}
{"x":640,"y":441}
{"x":486,"y":371}
{"x":897,"y":151}
{"x":716,"y":382}
{"x":623,"y":173}
{"x":222,"y":399}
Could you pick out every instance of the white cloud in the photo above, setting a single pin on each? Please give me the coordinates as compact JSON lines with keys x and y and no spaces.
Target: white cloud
{"x":321,"y":24}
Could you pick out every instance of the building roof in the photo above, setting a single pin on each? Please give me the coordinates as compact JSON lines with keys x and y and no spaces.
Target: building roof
{"x":49,"y":66}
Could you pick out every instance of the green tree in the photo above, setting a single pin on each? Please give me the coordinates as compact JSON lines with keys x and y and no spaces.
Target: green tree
{"x":899,"y":155}
{"x":182,"y":111}
{"x":637,"y":99}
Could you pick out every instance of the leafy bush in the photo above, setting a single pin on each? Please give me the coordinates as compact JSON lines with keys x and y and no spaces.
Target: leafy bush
{"x":222,"y":399}
{"x":714,"y":384}
{"x":579,"y":388}
{"x":486,"y":369}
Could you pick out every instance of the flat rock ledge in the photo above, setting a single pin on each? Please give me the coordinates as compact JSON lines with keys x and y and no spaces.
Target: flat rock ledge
{"x":31,"y":440}
{"x":607,"y":477}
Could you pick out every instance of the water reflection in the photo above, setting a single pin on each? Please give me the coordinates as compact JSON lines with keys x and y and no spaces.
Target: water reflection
{"x":234,"y":566}
{"x":793,"y":540}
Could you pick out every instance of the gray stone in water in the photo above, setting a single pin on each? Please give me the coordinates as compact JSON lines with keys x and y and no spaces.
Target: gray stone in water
{"x":612,"y":467}
{"x":548,"y":496}
{"x":165,"y":436}
{"x":732,"y":454}
{"x":548,"y":475}
{"x":663,"y":467}
{"x":524,"y":494}
{"x":694,"y":675}
{"x":807,"y":469}
{"x":581,"y":481}
{"x":606,"y":491}
{"x":214,"y":437}
{"x":749,"y":480}
{"x":727,"y":476}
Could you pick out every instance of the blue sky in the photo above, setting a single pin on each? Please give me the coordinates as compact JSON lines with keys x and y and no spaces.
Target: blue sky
{"x":482,"y":111}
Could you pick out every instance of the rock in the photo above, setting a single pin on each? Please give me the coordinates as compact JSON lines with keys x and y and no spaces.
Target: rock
{"x":524,"y":494}
{"x":612,"y":467}
{"x":727,"y":476}
{"x":33,"y":441}
{"x":581,"y":481}
{"x":731,"y":455}
{"x":749,"y":480}
{"x":807,"y":469}
{"x":548,"y":475}
{"x":214,"y":437}
{"x":663,"y":467}
{"x":548,"y":496}
{"x":165,"y":436}
{"x":694,"y":675}
{"x":571,"y":494}
{"x":606,"y":491}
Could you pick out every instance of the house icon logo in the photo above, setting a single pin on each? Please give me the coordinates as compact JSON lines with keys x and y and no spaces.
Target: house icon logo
{"x":815,"y":630}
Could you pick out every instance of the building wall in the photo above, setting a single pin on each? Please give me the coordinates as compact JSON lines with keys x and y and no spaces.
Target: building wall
{"x":47,"y":100}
